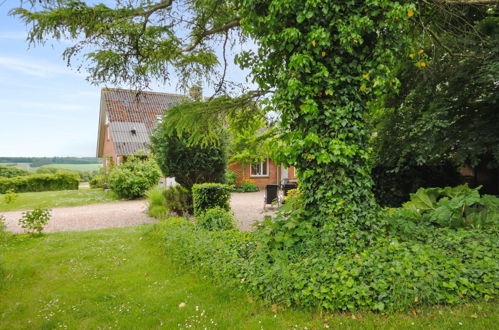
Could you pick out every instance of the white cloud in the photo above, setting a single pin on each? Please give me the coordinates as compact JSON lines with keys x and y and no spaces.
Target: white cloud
{"x":32,"y":67}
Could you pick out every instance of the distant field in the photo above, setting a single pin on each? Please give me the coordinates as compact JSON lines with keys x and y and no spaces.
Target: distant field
{"x":23,"y":166}
{"x":77,"y":167}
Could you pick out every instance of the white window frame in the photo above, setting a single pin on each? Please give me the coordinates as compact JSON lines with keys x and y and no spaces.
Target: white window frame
{"x":252,"y":175}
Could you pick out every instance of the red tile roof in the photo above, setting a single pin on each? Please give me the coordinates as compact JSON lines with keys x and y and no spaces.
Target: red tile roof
{"x":126,"y":107}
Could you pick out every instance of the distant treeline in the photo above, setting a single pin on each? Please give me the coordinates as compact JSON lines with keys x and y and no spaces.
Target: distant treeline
{"x":41,"y":161}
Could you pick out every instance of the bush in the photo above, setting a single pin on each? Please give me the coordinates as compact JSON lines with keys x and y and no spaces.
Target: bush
{"x":223,"y":255}
{"x":11,"y":172}
{"x":189,"y":164}
{"x":39,"y":182}
{"x":405,"y":265}
{"x":230,"y":178}
{"x":35,"y":221}
{"x":134,"y":177}
{"x":209,"y":195}
{"x":178,"y":200}
{"x":100,"y":179}
{"x":216,"y":218}
{"x":247,"y":186}
{"x":156,"y":202}
{"x":10,"y":196}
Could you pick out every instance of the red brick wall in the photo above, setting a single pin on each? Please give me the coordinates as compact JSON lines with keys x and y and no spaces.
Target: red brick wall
{"x":108,"y":148}
{"x":261,"y":182}
{"x":292,"y":173}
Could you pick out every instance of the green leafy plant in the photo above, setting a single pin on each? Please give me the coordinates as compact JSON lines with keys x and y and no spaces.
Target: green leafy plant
{"x":209,"y":195}
{"x":134,"y":177}
{"x":247,"y":186}
{"x":230,"y":178}
{"x":452,"y":207}
{"x":35,"y":220}
{"x":216,"y":218}
{"x":10,"y":196}
{"x":178,"y":199}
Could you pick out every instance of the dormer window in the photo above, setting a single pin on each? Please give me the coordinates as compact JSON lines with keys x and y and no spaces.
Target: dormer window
{"x":134,"y":131}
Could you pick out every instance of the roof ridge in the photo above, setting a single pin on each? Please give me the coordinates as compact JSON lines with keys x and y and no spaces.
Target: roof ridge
{"x":107,"y":89}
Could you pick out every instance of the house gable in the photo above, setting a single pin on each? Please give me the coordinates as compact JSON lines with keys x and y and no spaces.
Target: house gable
{"x":130,"y":117}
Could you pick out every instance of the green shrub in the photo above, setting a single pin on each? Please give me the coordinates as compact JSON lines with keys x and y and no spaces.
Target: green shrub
{"x":35,"y":221}
{"x":10,"y":196}
{"x":223,"y":255}
{"x":209,"y":195}
{"x":216,"y":218}
{"x":230,"y":178}
{"x":453,"y":207}
{"x":134,"y":177}
{"x":39,"y":182}
{"x":178,"y":200}
{"x":100,"y":180}
{"x":188,"y":163}
{"x":403,"y":268}
{"x":247,"y":186}
{"x":11,"y":172}
{"x":156,"y":202}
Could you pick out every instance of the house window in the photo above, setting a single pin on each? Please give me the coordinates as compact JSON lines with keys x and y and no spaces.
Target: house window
{"x":260,"y":169}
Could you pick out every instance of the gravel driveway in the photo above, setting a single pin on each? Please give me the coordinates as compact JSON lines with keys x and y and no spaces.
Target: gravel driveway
{"x":88,"y":217}
{"x":247,"y":207}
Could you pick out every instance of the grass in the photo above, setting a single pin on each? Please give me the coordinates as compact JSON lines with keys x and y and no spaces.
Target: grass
{"x":49,"y":199}
{"x":118,"y":278}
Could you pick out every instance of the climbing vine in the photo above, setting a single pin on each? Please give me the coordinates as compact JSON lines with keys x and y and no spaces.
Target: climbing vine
{"x":326,"y":60}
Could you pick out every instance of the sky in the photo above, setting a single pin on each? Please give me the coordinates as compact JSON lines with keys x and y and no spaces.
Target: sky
{"x":46,"y":108}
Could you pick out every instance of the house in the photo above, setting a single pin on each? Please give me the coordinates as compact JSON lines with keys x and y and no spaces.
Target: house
{"x":263,"y":173}
{"x":127,"y":119}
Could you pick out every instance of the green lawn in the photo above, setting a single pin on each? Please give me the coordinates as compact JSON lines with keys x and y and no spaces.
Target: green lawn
{"x":50,"y":199}
{"x":118,"y":278}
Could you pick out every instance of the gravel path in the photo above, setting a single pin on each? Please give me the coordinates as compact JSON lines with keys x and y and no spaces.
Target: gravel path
{"x":88,"y":217}
{"x":247,"y":207}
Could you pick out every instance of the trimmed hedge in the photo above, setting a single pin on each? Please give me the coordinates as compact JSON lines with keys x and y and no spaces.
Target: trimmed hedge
{"x":10,"y":172}
{"x":40,"y":182}
{"x":210,"y":195}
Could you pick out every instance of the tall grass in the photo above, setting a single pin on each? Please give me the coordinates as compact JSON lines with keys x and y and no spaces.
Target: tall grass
{"x":156,"y":202}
